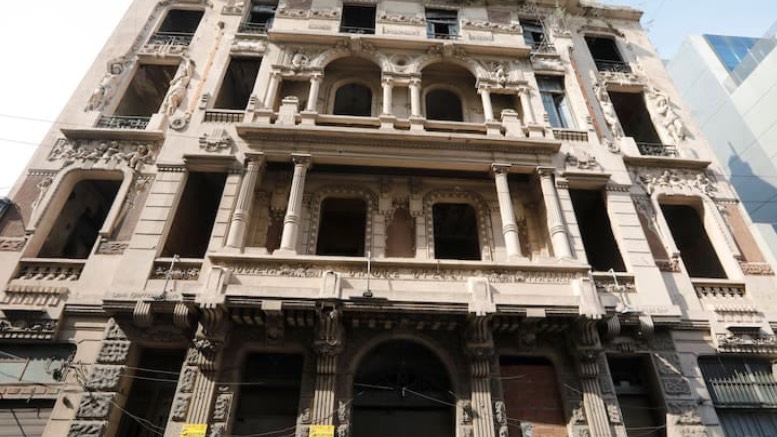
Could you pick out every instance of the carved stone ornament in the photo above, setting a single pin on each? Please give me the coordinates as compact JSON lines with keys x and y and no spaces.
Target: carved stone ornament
{"x":748,"y":268}
{"x":86,"y":429}
{"x":747,"y":343}
{"x":685,"y":413}
{"x":178,"y":86}
{"x":114,"y":352}
{"x":105,"y":378}
{"x":114,"y":332}
{"x":500,"y":412}
{"x":12,"y":244}
{"x":188,"y":376}
{"x":388,"y":17}
{"x":33,"y":326}
{"x":322,"y":14}
{"x":112,"y":247}
{"x":217,"y":430}
{"x":614,"y":413}
{"x":107,"y":154}
{"x":488,"y":25}
{"x":676,"y":386}
{"x":582,"y":160}
{"x":104,"y":91}
{"x":221,"y":407}
{"x":669,"y":117}
{"x":218,"y":141}
{"x":95,"y":405}
{"x":180,"y":407}
{"x":233,"y":7}
{"x":668,"y":363}
{"x":676,"y":181}
{"x":246,"y":45}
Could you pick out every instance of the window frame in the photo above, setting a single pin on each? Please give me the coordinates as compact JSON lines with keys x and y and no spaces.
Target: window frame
{"x":258,"y":27}
{"x":555,"y":102}
{"x":451,"y":20}
{"x":357,"y":29}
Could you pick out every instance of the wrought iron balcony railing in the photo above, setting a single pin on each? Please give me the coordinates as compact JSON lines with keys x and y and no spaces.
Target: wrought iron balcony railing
{"x":121,"y":122}
{"x":171,"y":38}
{"x":358,"y":30}
{"x":443,"y":36}
{"x":612,"y":66}
{"x":255,"y":28}
{"x":656,"y":149}
{"x":543,"y":47}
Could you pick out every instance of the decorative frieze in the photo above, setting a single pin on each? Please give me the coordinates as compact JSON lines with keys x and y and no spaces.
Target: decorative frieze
{"x":747,"y":342}
{"x":50,"y":271}
{"x":180,"y":271}
{"x":33,"y":295}
{"x":388,"y":17}
{"x":489,"y":25}
{"x":86,"y":429}
{"x":680,"y":181}
{"x":10,"y":244}
{"x":28,"y":326}
{"x":107,"y":247}
{"x":110,"y":154}
{"x":321,"y":14}
{"x":218,"y":141}
{"x":748,"y":268}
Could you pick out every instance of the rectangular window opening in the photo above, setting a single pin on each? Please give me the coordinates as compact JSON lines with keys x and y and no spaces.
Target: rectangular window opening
{"x":442,"y":24}
{"x":193,"y":223}
{"x":634,"y":379}
{"x":636,"y":122}
{"x":358,"y":19}
{"x":79,"y":222}
{"x":238,"y":83}
{"x":27,"y":418}
{"x":342,"y":227}
{"x":145,"y":93}
{"x":259,"y":19}
{"x":455,"y":231}
{"x":599,"y":242}
{"x":178,"y":27}
{"x":533,"y":34}
{"x":554,"y":100}
{"x":696,"y":249}
{"x":606,"y":55}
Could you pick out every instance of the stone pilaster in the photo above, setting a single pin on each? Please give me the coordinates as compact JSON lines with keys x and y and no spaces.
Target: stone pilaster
{"x":556,"y":225}
{"x":506,"y":212}
{"x":328,"y":345}
{"x":293,"y":217}
{"x":239,"y":224}
{"x":486,"y":417}
{"x":589,"y":355}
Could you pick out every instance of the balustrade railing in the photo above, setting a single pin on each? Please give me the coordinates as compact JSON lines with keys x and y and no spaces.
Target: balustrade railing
{"x":122,"y":122}
{"x":450,"y":36}
{"x":656,"y":149}
{"x":257,"y":28}
{"x":223,"y":116}
{"x":612,"y":66}
{"x":357,"y":30}
{"x":171,"y":38}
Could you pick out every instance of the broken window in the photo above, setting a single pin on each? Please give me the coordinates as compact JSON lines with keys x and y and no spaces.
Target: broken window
{"x":636,"y":122}
{"x":353,"y":99}
{"x":600,"y":245}
{"x":554,"y":99}
{"x":442,"y":24}
{"x":696,"y":249}
{"x":533,"y":34}
{"x":190,"y":232}
{"x":178,"y":28}
{"x":145,"y":93}
{"x":442,"y":104}
{"x":269,"y":396}
{"x":606,"y":54}
{"x":532,"y":378}
{"x":404,"y":390}
{"x":151,"y":396}
{"x":455,"y":231}
{"x":80,"y":219}
{"x":238,"y":83}
{"x":642,"y":408}
{"x":358,"y":19}
{"x":342,"y":227}
{"x":259,"y":19}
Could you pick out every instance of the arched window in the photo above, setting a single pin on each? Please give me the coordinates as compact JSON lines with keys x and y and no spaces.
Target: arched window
{"x":405,"y":391}
{"x":353,"y":99}
{"x":443,"y":105}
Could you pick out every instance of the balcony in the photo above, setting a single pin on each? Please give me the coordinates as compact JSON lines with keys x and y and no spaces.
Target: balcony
{"x":445,"y":36}
{"x":253,"y":28}
{"x":171,"y":39}
{"x":122,"y":122}
{"x":613,"y":66}
{"x":656,"y":149}
{"x":358,"y":30}
{"x":223,"y":116}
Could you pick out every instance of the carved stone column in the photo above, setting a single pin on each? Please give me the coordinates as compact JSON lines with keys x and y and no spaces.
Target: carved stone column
{"x":485,"y":98}
{"x":509,"y":224}
{"x":272,"y":89}
{"x":415,"y":97}
{"x":388,"y":93}
{"x":589,"y":352}
{"x":528,"y":113}
{"x":315,"y":85}
{"x":294,"y":208}
{"x":480,"y":348}
{"x":245,"y":198}
{"x":556,"y":226}
{"x":328,"y":345}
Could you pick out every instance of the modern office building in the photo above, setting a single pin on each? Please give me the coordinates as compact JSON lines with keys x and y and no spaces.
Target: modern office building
{"x":729,"y":83}
{"x":316,"y":218}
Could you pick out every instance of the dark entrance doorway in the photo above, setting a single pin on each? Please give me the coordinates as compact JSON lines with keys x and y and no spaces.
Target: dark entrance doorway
{"x":402,"y":389}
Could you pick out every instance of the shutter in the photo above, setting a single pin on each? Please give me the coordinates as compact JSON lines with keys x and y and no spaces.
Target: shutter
{"x":24,"y":419}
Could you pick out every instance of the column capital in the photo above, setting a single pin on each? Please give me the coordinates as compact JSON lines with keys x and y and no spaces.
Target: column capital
{"x":415,"y":81}
{"x":500,"y":168}
{"x":545,"y":171}
{"x":302,"y":159}
{"x":387,"y":81}
{"x":316,"y":77}
{"x":276,"y":74}
{"x":484,"y":88}
{"x":254,"y":158}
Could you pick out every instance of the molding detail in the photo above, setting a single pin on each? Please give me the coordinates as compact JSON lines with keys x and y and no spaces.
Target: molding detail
{"x":133,"y":154}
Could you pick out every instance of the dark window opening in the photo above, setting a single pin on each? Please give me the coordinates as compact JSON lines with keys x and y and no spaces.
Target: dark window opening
{"x":178,"y":28}
{"x":443,"y":105}
{"x":342,"y":228}
{"x":269,"y":400}
{"x":554,"y":100}
{"x":404,"y":391}
{"x":635,"y":119}
{"x":696,"y":249}
{"x":455,"y":231}
{"x":358,"y":19}
{"x":533,"y":378}
{"x":533,"y":34}
{"x":190,"y":232}
{"x":238,"y":83}
{"x":442,"y":24}
{"x":606,"y":54}
{"x":78,"y":225}
{"x":501,"y":102}
{"x":600,"y":245}
{"x":145,"y":93}
{"x":353,"y":99}
{"x":151,"y":396}
{"x":259,"y":19}
{"x":639,"y":403}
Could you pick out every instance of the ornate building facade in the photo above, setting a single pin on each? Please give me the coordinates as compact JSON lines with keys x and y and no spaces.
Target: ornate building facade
{"x":379,"y":218}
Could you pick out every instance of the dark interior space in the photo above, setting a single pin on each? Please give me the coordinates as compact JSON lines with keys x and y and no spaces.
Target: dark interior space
{"x":353,"y":99}
{"x":238,"y":83}
{"x":601,"y":249}
{"x":455,"y":231}
{"x":533,"y":378}
{"x":342,"y":227}
{"x":603,"y":49}
{"x":181,"y":21}
{"x":190,"y":232}
{"x":634,"y":117}
{"x":268,"y":400}
{"x":151,"y":395}
{"x":403,"y":391}
{"x":442,"y":23}
{"x":358,"y":19}
{"x":260,"y":17}
{"x":76,"y":229}
{"x":642,"y":407}
{"x":695,"y":247}
{"x":145,"y":93}
{"x":443,"y":105}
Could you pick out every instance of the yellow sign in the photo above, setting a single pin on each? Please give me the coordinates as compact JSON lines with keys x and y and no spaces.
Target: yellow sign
{"x":194,"y":430}
{"x":322,"y":431}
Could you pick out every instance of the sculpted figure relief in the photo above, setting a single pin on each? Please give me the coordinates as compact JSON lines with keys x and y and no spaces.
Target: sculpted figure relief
{"x":671,"y":121}
{"x":178,"y":87}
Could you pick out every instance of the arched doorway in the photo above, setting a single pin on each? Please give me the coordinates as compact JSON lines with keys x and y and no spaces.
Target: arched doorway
{"x":402,"y":389}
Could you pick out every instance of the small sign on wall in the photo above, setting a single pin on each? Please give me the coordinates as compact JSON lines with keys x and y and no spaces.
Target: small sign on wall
{"x":322,"y":431}
{"x":194,"y":430}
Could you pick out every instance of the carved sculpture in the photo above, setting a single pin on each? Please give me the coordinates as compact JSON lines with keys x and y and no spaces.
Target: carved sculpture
{"x":178,"y":87}
{"x":102,"y":93}
{"x":671,"y":121}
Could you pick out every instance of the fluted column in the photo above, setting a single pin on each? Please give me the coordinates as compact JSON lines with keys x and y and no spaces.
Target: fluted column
{"x":415,"y":97}
{"x":556,"y":226}
{"x":388,"y":90}
{"x":528,"y":113}
{"x":294,"y":208}
{"x":315,"y":85}
{"x":328,"y":345}
{"x":272,"y":89}
{"x":245,"y":200}
{"x":485,"y":97}
{"x":509,"y":225}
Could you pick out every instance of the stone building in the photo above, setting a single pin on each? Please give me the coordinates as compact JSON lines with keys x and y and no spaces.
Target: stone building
{"x":377,"y":219}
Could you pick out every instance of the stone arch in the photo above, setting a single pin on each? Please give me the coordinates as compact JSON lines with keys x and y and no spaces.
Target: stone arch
{"x":327,"y":57}
{"x":342,"y":191}
{"x":331,"y":91}
{"x":446,"y":87}
{"x":473,"y":66}
{"x":481,"y":210}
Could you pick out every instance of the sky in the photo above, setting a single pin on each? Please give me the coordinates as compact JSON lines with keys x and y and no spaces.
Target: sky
{"x":47,"y":49}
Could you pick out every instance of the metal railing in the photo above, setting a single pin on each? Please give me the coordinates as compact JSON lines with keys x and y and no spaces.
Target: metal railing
{"x":171,"y":38}
{"x":656,"y":149}
{"x":122,"y":122}
{"x":543,"y":47}
{"x":612,"y":66}
{"x":360,"y":30}
{"x":224,"y":116}
{"x":256,"y":28}
{"x":450,"y":36}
